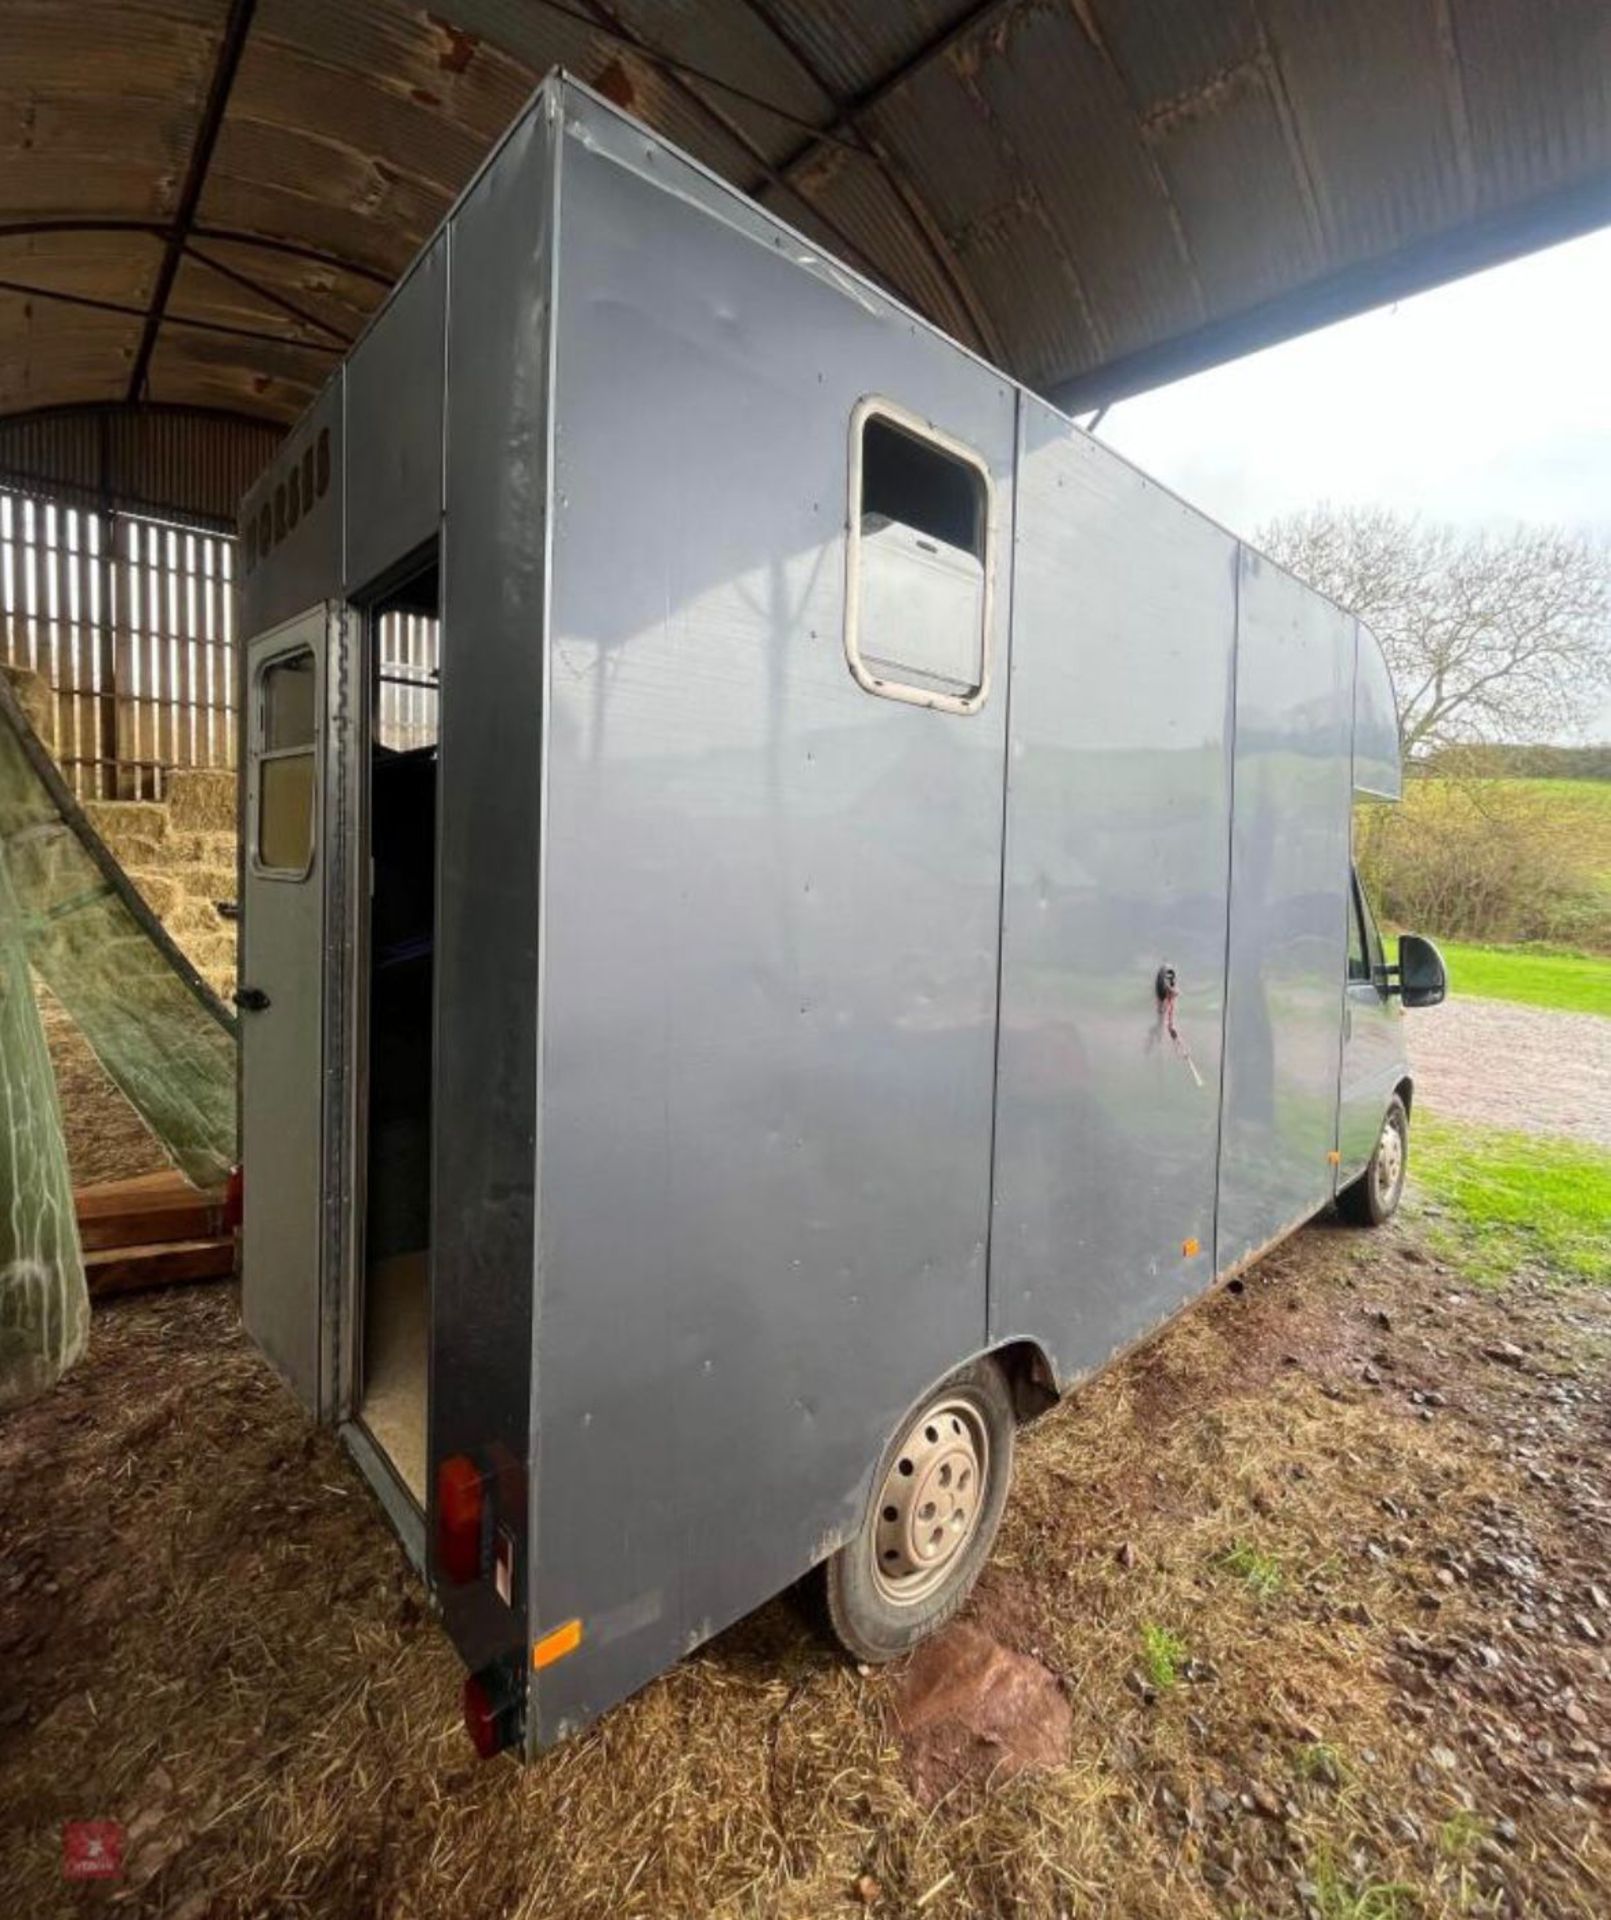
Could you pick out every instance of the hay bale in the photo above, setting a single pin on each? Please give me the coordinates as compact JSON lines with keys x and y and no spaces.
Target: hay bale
{"x":207,"y":883}
{"x":203,"y":798}
{"x":187,"y":919}
{"x":37,"y":701}
{"x":213,"y":954}
{"x":161,"y":892}
{"x":134,"y":830}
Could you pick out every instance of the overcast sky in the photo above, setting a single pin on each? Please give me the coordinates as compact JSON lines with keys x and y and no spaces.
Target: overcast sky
{"x":1485,"y":401}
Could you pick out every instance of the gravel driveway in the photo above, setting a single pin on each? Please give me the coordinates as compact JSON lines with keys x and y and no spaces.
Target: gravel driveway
{"x":1502,"y":1065}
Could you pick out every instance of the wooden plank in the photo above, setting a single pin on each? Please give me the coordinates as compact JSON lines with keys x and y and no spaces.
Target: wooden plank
{"x":152,"y":1209}
{"x":109,"y":1196}
{"x":166,"y":1219}
{"x":118,"y":1270}
{"x":105,"y":1195}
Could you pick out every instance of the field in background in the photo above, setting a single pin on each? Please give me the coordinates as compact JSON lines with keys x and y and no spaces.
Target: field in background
{"x":1585,"y":804}
{"x":1534,"y":976}
{"x":1494,"y":860}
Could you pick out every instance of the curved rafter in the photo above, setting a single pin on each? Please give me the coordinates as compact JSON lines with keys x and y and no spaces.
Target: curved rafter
{"x":923,"y":221}
{"x":230,"y":48}
{"x":128,"y":310}
{"x":1096,"y":196}
{"x":202,"y":230}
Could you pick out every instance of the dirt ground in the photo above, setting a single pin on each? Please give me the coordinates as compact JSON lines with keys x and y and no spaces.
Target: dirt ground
{"x":1495,"y":1064}
{"x":1302,"y":1610}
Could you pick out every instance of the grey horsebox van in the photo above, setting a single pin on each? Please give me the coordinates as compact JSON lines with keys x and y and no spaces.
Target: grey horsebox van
{"x":858,"y":928}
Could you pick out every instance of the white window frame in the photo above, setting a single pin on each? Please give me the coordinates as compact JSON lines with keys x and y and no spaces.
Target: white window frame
{"x":261,"y":752}
{"x":875,"y":406}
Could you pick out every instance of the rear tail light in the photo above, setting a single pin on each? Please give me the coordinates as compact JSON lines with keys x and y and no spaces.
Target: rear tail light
{"x":235,"y":1200}
{"x":463,"y":1520}
{"x":491,"y":1710}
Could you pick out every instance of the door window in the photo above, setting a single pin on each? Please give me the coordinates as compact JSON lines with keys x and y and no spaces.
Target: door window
{"x":285,"y":762}
{"x":917,"y":603}
{"x":1364,"y":942}
{"x":1358,"y":959}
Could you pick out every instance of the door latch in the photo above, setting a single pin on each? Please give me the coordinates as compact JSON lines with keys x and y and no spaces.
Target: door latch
{"x":250,"y":999}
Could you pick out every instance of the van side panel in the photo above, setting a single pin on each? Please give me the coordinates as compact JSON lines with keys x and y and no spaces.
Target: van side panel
{"x":1118,"y":846}
{"x":770,"y":919}
{"x":489,"y":822}
{"x":1289,"y":901}
{"x":291,"y":533}
{"x":1378,"y":763}
{"x":394,"y":423}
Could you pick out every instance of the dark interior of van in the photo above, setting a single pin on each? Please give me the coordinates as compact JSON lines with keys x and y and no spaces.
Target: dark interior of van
{"x":402,"y":736}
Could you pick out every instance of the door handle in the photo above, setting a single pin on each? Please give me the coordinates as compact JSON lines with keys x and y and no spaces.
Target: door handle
{"x":250,"y":999}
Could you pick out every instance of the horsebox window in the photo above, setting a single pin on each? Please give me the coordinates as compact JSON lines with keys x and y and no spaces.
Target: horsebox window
{"x":287,"y":692}
{"x":917,"y":620}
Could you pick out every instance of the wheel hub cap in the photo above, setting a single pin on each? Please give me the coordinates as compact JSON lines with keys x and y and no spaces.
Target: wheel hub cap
{"x":1389,"y":1161}
{"x":930,"y":1503}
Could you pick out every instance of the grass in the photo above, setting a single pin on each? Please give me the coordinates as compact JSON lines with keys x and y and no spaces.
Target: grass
{"x":1320,"y":1760}
{"x":1261,"y":1571}
{"x":1162,"y":1655}
{"x":1336,"y":1897}
{"x":1534,"y":976}
{"x":1521,"y":1199}
{"x":1462,"y":1833}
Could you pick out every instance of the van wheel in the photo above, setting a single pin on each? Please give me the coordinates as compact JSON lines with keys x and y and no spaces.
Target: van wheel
{"x":939,"y":1492}
{"x":1373,"y":1198}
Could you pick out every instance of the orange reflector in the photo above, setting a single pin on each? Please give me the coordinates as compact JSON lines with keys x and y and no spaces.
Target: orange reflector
{"x":1191,"y":1248}
{"x":1335,"y":1158}
{"x":555,"y":1644}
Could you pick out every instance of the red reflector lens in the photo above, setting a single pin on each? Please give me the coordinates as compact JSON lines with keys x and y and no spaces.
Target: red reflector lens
{"x":491,"y":1710}
{"x":483,"y":1720}
{"x":235,"y":1200}
{"x":460,"y":1519}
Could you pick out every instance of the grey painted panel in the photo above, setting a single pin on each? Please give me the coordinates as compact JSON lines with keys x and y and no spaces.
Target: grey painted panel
{"x":1373,"y":1064}
{"x":770,"y":918}
{"x":394,"y":424}
{"x":1373,"y":1053}
{"x":1378,"y":763}
{"x":1289,"y":869}
{"x":485,"y":1147}
{"x":1118,"y":848}
{"x":291,"y":541}
{"x":282,"y":954}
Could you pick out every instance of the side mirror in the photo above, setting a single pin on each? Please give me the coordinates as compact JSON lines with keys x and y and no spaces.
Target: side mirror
{"x":1421,"y":979}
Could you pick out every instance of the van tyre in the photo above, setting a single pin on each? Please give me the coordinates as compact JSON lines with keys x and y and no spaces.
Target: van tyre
{"x":1372,"y":1200}
{"x":937,"y":1500}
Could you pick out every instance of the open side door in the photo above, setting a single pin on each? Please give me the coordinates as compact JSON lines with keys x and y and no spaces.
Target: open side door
{"x":285,"y":708}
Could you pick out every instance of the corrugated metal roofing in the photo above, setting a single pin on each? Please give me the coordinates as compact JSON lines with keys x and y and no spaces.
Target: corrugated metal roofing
{"x":1094,"y":193}
{"x":172,"y":461}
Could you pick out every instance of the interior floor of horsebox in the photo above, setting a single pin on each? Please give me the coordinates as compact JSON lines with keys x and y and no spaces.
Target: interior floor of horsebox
{"x":396,"y":1357}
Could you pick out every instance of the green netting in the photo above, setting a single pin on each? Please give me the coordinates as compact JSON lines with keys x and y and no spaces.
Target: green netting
{"x":164,"y":1039}
{"x":44,"y":1304}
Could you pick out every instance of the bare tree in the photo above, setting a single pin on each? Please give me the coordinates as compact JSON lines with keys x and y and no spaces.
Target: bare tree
{"x":1490,"y":636}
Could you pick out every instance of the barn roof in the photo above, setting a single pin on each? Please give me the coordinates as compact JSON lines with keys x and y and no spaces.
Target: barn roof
{"x":201,"y":200}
